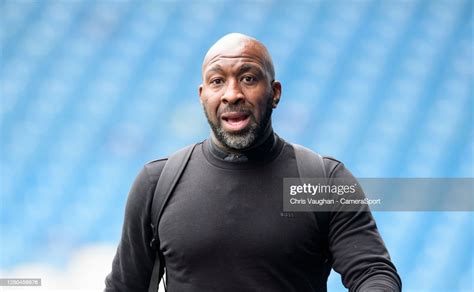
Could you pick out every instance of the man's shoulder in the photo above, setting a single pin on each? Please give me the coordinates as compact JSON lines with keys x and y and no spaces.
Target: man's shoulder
{"x":331,"y":160}
{"x":331,"y":164}
{"x":156,"y":162}
{"x":154,"y":168}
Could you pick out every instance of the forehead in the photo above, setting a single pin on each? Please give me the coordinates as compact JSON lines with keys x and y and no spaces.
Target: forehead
{"x":234,"y":56}
{"x":223,"y":63}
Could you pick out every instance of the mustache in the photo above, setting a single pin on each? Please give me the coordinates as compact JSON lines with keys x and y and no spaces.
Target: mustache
{"x":234,"y":108}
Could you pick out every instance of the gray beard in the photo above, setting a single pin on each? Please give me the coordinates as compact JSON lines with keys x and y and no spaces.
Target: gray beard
{"x":245,"y":138}
{"x":237,"y":140}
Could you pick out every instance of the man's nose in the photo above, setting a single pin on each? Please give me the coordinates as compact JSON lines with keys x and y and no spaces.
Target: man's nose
{"x":233,"y":93}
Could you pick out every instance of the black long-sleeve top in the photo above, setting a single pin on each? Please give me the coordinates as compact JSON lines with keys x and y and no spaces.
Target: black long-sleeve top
{"x":223,"y":229}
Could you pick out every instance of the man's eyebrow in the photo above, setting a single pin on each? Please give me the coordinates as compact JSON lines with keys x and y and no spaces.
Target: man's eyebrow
{"x":214,"y":68}
{"x":250,"y":67}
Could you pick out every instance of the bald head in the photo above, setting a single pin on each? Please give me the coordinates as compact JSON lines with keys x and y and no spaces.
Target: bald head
{"x":239,"y":45}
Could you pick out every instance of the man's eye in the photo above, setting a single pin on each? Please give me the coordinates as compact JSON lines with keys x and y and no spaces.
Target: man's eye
{"x":249,"y":79}
{"x":217,"y":81}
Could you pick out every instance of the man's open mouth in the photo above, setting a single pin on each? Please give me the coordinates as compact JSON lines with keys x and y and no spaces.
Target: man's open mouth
{"x":235,"y":121}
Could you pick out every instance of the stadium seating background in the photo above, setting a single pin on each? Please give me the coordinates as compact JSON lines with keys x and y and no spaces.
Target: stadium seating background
{"x":91,"y":90}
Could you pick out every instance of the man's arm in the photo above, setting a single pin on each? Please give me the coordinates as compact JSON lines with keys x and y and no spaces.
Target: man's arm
{"x":358,"y":250}
{"x":133,"y":262}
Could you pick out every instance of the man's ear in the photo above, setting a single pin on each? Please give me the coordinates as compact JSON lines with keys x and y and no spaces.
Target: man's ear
{"x":200,"y":93}
{"x":276,"y":88}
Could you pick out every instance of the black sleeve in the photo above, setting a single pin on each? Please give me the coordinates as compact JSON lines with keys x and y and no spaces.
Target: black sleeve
{"x":358,"y":251}
{"x":133,"y":262}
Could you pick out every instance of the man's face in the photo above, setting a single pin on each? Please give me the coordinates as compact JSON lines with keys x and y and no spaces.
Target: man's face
{"x":238,"y":97}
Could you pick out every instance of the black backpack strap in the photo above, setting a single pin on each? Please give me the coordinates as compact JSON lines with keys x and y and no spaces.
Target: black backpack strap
{"x":311,"y":165}
{"x":169,"y":177}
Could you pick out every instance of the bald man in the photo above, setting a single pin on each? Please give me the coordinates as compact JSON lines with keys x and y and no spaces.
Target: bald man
{"x":223,"y":227}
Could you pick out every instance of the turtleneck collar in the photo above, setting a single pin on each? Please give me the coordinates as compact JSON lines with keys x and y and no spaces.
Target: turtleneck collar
{"x":259,"y":155}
